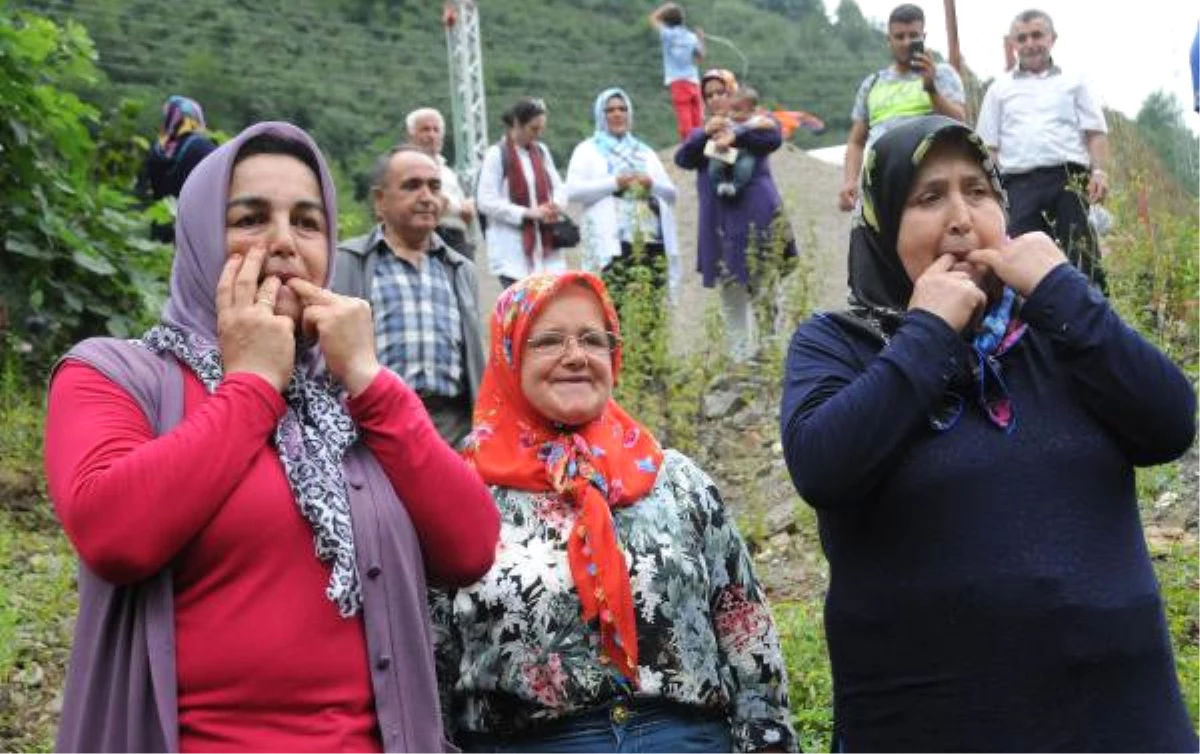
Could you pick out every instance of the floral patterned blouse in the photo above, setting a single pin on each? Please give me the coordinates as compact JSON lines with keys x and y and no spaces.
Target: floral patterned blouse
{"x":513,"y":651}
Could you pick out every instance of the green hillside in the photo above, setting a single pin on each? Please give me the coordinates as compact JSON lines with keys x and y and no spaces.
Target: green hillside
{"x":348,"y":70}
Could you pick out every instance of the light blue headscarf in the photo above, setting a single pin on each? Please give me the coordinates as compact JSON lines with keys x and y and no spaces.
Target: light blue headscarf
{"x":624,"y":153}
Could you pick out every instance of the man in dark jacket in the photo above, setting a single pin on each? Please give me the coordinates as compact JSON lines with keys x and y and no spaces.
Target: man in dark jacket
{"x":423,"y":293}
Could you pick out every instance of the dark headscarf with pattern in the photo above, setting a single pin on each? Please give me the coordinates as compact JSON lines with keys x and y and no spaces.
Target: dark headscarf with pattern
{"x":180,"y":117}
{"x":880,"y":288}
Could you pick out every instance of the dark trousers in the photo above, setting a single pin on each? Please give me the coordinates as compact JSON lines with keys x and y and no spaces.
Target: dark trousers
{"x":739,"y":174}
{"x":1054,"y":201}
{"x":451,"y":416}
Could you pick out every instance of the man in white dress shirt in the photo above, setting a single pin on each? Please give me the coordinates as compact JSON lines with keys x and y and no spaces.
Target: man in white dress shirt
{"x":1047,"y":131}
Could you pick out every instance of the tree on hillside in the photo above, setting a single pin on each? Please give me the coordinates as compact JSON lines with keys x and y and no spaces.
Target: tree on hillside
{"x":853,"y":29}
{"x":796,"y":9}
{"x":1162,"y":125}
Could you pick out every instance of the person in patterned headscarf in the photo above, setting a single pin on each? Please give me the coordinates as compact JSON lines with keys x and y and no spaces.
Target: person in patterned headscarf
{"x":623,"y":602}
{"x":256,"y":503}
{"x":183,"y":141}
{"x":967,"y":432}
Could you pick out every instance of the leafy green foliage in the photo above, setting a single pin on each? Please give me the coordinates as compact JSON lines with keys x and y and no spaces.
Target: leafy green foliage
{"x":1161,"y":123}
{"x":1178,"y":570}
{"x":74,"y":256}
{"x":810,"y":684}
{"x":349,"y":70}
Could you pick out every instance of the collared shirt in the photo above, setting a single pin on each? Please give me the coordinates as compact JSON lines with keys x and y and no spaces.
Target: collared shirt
{"x":1037,"y":120}
{"x":455,"y":196}
{"x":418,"y":328}
{"x":887,"y":98}
{"x":679,"y":46}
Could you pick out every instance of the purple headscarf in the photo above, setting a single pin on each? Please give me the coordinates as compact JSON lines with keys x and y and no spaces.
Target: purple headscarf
{"x":200,"y":229}
{"x":314,"y":434}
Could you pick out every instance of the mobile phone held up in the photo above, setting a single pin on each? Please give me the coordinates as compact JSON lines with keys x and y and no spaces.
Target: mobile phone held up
{"x":915,"y":48}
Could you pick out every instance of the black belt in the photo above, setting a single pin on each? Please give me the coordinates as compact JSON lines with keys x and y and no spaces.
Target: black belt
{"x":1062,"y":167}
{"x":618,"y":711}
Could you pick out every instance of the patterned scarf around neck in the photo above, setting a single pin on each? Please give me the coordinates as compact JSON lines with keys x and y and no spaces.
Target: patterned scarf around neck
{"x":998,"y":332}
{"x":610,"y":462}
{"x":880,"y":287}
{"x":311,"y":439}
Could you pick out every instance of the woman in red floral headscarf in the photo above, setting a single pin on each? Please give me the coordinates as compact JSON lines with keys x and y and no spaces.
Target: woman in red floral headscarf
{"x":623,"y":601}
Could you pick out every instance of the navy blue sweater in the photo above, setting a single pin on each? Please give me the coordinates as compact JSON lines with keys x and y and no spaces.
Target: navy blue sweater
{"x":992,"y":590}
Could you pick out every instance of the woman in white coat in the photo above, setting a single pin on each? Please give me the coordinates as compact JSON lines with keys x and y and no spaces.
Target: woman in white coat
{"x":521,"y":195}
{"x":628,"y":201}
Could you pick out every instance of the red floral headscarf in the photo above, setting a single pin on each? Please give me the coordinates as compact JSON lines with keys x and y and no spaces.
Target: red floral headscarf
{"x":612,"y":461}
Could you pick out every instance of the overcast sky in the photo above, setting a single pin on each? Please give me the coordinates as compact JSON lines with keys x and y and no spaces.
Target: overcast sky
{"x":1129,"y":50}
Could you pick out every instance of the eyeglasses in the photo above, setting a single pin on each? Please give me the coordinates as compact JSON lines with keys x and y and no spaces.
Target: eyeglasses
{"x":553,"y":344}
{"x":616,"y":109}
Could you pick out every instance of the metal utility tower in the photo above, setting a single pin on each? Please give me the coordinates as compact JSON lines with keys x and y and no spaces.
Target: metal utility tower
{"x":461,"y":19}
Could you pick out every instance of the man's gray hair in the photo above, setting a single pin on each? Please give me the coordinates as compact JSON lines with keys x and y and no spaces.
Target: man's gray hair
{"x":1031,"y":15}
{"x":383,"y":164}
{"x":410,"y":120}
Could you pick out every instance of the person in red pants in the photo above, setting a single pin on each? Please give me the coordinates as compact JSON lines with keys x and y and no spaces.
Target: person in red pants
{"x":682,"y":50}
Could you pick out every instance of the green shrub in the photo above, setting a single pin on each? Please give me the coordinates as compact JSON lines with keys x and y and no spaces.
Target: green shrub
{"x":810,"y":684}
{"x":75,"y":257}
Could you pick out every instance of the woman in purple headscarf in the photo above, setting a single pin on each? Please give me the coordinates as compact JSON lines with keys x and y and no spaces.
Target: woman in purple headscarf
{"x":196,"y":471}
{"x":183,"y":141}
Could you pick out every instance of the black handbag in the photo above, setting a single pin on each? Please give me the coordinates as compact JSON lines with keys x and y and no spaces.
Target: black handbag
{"x":564,"y":233}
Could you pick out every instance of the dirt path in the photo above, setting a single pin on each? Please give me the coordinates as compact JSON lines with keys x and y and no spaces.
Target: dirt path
{"x":809,"y":188}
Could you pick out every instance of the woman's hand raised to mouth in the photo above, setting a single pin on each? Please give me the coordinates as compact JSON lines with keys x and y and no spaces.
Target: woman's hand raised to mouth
{"x":949,"y":294}
{"x":343,"y":329}
{"x":251,"y":336}
{"x":1023,"y":262}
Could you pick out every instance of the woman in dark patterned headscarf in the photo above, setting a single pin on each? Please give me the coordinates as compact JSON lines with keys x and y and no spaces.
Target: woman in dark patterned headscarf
{"x":254,"y":500}
{"x":989,"y":582}
{"x":183,"y":141}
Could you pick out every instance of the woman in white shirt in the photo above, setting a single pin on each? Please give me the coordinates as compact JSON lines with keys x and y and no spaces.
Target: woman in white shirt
{"x":521,"y":194}
{"x":628,"y":200}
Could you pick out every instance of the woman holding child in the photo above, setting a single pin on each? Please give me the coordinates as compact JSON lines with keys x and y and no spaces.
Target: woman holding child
{"x":730,"y":226}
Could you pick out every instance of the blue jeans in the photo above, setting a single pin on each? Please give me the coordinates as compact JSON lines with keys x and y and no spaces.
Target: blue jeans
{"x":621,"y":727}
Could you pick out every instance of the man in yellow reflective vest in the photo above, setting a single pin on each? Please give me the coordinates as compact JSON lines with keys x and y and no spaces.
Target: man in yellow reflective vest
{"x":913,"y":85}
